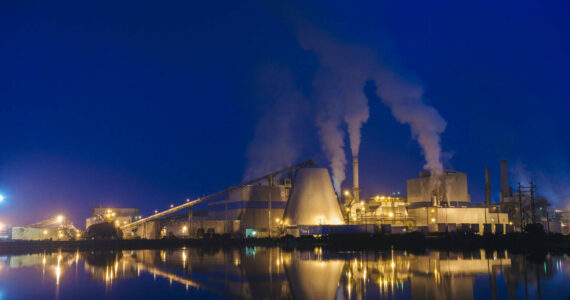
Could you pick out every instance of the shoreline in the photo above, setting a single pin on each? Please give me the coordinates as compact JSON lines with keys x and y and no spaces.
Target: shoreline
{"x":417,"y":242}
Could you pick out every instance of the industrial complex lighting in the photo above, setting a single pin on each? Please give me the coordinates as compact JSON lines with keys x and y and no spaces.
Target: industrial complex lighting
{"x":390,"y":215}
{"x":45,"y":232}
{"x":171,"y":205}
{"x":1,"y":226}
{"x":346,"y":193}
{"x":185,"y":228}
{"x":59,"y":219}
{"x":433,"y":220}
{"x":155,"y":211}
{"x":187,"y":199}
{"x":277,"y":220}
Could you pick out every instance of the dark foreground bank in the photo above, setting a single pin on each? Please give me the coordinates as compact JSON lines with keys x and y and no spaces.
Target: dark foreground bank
{"x":515,"y":242}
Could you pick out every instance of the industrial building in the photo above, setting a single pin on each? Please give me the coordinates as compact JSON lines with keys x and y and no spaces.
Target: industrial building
{"x":304,"y":202}
{"x":449,"y":189}
{"x":252,"y":210}
{"x":117,"y":215}
{"x":443,"y":204}
{"x":57,"y":228}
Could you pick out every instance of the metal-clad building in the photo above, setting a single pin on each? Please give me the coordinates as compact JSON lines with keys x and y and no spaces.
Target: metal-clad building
{"x":249,"y":210}
{"x":453,"y":189}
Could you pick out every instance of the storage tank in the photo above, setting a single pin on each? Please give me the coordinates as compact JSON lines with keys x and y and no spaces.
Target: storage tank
{"x":313,"y":200}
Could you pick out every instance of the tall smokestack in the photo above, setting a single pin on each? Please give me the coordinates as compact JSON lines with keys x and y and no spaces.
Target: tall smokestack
{"x":504,"y":180}
{"x":487,"y":188}
{"x":356,"y":190}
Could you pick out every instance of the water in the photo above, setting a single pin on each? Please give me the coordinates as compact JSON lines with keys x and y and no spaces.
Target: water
{"x":273,"y":273}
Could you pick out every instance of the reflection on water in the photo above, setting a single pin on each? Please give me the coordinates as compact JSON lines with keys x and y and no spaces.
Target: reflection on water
{"x":273,"y":273}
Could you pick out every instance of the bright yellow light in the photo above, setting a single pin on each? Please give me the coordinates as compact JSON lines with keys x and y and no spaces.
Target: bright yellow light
{"x":377,"y":197}
{"x":45,"y":231}
{"x":382,"y":198}
{"x":346,"y":193}
{"x":277,"y":220}
{"x":78,"y":235}
{"x":117,"y":222}
{"x":390,"y":215}
{"x":347,"y":209}
{"x":361,"y":202}
{"x":433,"y":219}
{"x":171,"y":205}
{"x":59,"y":219}
{"x":113,"y":214}
{"x":510,"y":223}
{"x":432,"y":210}
{"x":155,"y":211}
{"x":1,"y":225}
{"x":185,"y":228}
{"x":187,"y":199}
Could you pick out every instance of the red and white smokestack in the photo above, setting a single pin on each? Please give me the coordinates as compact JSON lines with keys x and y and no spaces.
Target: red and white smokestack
{"x":356,"y":190}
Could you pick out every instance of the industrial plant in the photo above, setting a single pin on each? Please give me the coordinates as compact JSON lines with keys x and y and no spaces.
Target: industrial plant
{"x":301,"y":201}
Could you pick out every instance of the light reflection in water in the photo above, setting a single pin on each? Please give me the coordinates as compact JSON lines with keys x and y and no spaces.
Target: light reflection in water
{"x":257,"y":272}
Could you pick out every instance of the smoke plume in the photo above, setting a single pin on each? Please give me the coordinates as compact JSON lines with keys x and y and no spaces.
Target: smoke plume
{"x":339,"y":91}
{"x":347,"y":70}
{"x":278,"y":134}
{"x":551,"y":180}
{"x":405,"y":100}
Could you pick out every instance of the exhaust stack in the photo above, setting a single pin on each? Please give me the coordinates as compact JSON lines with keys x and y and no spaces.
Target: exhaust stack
{"x":487,"y":188}
{"x":504,"y":181}
{"x":355,"y":190}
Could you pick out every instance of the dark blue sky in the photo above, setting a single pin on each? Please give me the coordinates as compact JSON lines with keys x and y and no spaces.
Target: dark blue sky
{"x":144,"y":103}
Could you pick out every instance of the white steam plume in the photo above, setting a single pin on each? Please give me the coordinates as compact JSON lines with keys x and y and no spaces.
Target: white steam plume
{"x":339,"y":90}
{"x":405,"y":101}
{"x":329,"y":122}
{"x":278,"y":135}
{"x":351,"y":67}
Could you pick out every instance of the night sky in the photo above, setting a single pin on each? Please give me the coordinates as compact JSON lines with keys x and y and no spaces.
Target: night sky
{"x":146,"y":103}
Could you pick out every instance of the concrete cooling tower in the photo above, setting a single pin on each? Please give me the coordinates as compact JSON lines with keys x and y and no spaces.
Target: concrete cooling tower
{"x":312,"y":200}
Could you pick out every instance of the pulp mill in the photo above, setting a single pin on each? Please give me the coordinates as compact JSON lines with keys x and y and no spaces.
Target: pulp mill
{"x":301,"y":200}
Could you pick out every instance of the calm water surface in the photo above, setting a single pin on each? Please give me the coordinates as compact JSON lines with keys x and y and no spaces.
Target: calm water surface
{"x":273,"y":273}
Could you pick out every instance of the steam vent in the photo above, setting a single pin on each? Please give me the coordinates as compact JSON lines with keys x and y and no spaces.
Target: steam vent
{"x":313,"y":200}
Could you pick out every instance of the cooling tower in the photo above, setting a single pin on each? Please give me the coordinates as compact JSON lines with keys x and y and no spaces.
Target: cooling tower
{"x":312,"y":200}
